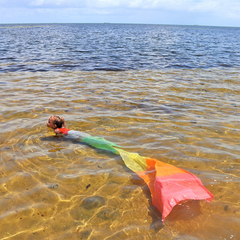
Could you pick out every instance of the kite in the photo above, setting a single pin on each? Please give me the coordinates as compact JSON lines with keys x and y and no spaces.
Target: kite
{"x":168,"y":184}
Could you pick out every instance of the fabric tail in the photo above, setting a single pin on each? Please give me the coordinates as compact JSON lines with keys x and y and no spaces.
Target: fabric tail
{"x":168,"y":184}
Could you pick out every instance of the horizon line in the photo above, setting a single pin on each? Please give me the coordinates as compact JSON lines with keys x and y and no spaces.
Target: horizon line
{"x":168,"y":24}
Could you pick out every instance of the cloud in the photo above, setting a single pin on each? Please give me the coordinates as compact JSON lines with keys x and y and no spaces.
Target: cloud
{"x":190,"y":5}
{"x":227,"y":9}
{"x":164,"y":11}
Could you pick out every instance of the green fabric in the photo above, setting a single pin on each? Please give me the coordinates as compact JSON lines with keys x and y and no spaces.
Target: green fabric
{"x":100,"y":143}
{"x":132,"y":160}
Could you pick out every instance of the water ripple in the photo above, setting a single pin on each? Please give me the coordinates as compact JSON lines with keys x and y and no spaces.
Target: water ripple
{"x":116,"y":47}
{"x":51,"y":187}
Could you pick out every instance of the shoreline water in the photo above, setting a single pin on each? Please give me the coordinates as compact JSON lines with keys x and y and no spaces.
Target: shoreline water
{"x":171,"y":93}
{"x":188,"y":118}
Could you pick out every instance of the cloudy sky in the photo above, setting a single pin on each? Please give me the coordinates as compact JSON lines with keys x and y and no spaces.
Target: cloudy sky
{"x":185,"y":12}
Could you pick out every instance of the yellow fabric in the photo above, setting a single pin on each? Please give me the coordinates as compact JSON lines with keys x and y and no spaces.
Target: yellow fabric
{"x":133,"y":161}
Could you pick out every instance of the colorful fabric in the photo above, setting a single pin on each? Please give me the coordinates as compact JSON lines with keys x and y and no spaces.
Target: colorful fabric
{"x":168,"y":184}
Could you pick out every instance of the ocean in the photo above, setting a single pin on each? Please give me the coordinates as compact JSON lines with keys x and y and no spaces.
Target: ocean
{"x":163,"y":91}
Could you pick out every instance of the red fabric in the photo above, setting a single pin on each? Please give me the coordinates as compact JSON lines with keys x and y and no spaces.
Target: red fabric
{"x":169,"y":185}
{"x":63,"y":130}
{"x":169,"y":191}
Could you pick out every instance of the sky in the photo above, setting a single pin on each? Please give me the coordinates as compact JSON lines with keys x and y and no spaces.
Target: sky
{"x":180,"y":12}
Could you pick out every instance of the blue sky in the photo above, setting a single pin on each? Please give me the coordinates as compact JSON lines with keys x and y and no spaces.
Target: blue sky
{"x":183,"y":12}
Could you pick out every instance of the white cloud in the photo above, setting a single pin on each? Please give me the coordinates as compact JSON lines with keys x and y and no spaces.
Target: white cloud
{"x":221,"y":11}
{"x":176,"y":5}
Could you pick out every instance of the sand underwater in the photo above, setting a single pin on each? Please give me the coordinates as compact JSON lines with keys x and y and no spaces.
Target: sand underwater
{"x":53,"y":188}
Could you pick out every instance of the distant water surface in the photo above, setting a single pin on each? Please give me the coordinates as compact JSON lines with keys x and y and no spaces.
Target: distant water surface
{"x":168,"y":92}
{"x":116,"y":47}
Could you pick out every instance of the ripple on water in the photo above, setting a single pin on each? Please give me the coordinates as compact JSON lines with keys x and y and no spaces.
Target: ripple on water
{"x":53,"y":187}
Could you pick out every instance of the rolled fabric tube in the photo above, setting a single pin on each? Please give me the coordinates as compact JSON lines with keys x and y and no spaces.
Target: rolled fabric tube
{"x":168,"y":184}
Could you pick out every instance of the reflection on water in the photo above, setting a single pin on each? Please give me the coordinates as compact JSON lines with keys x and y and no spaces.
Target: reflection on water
{"x":54,"y":188}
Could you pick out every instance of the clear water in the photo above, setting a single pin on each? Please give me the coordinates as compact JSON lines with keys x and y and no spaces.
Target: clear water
{"x":183,"y":112}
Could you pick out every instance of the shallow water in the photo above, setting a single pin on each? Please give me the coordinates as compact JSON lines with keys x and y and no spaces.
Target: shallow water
{"x":54,"y":188}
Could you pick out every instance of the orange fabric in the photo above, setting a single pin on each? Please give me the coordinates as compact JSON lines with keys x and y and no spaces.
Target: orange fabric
{"x":166,"y":169}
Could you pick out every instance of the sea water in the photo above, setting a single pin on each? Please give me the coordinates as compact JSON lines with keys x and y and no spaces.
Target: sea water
{"x":167,"y":92}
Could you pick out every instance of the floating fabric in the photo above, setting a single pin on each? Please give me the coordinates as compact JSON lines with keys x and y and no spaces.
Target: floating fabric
{"x":96,"y":142}
{"x":168,"y":184}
